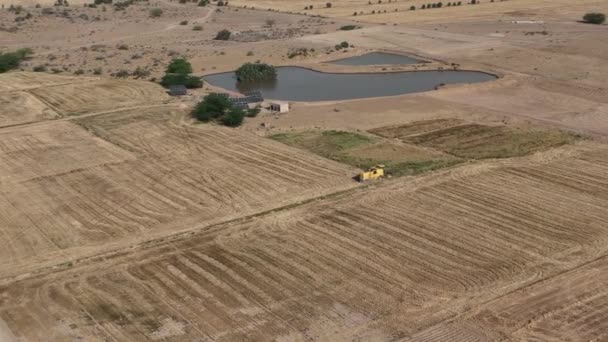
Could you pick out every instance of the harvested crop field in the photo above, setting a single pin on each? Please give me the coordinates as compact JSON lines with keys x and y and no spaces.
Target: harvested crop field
{"x":356,"y":267}
{"x":98,"y":96}
{"x":21,"y":107}
{"x":73,"y":192}
{"x":30,"y":80}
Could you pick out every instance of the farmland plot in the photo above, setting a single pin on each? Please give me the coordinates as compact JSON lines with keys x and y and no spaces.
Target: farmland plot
{"x":21,"y":107}
{"x":101,"y":95}
{"x":371,"y":265}
{"x":29,"y":80}
{"x":156,"y":178}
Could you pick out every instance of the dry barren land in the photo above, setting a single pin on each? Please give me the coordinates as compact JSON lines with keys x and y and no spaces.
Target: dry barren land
{"x":121,"y":219}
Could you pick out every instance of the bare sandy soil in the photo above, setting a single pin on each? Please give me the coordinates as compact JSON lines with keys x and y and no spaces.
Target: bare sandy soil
{"x":122,"y":220}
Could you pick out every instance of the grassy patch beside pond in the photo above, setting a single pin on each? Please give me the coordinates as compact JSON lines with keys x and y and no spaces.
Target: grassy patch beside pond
{"x":363,"y":151}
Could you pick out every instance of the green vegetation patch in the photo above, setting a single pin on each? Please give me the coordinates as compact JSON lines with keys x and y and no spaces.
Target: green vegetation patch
{"x":12,"y":60}
{"x":416,"y":127}
{"x":365,"y":151}
{"x":480,"y":142}
{"x":252,"y":72}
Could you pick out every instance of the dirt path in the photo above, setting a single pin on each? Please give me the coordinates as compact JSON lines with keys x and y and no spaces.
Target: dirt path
{"x":5,"y":334}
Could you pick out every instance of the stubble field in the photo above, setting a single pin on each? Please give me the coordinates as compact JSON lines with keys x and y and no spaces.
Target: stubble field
{"x":397,"y":261}
{"x":122,"y":220}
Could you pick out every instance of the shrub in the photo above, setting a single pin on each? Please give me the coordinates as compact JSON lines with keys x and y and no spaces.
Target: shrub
{"x":12,"y":60}
{"x":412,"y":8}
{"x":193,"y":82}
{"x":140,"y":73}
{"x":253,"y":112}
{"x":39,"y":68}
{"x":184,"y":22}
{"x":223,"y":35}
{"x":189,"y":81}
{"x":349,"y":27}
{"x":121,"y":74}
{"x":249,"y":53}
{"x":156,"y":12}
{"x":179,"y":66}
{"x":270,"y":22}
{"x":233,"y":118}
{"x":197,"y":28}
{"x":97,"y":71}
{"x":203,"y":3}
{"x":594,"y":18}
{"x":328,"y":5}
{"x":213,"y":106}
{"x":423,"y":7}
{"x":344,"y":45}
{"x":255,"y":72}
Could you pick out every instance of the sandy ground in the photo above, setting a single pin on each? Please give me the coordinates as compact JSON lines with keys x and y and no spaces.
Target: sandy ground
{"x":5,"y":334}
{"x":121,"y":220}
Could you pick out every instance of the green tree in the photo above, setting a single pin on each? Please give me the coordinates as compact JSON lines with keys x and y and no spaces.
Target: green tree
{"x":12,"y":60}
{"x":213,"y":106}
{"x":256,"y":72}
{"x":179,"y":66}
{"x":233,"y":118}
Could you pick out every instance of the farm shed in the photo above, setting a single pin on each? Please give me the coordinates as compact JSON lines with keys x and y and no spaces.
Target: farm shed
{"x":281,"y":107}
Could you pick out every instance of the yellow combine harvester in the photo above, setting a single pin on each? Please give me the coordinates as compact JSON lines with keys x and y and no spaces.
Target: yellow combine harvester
{"x":373,"y":173}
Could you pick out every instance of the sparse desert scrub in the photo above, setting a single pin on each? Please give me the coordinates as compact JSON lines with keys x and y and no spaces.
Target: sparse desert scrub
{"x":156,"y":12}
{"x":223,"y":35}
{"x":594,"y":18}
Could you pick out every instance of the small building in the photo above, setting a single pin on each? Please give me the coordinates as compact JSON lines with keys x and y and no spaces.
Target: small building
{"x":281,"y":107}
{"x":178,"y":90}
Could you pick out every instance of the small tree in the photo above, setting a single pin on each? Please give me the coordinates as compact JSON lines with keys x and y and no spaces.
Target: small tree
{"x":156,"y":12}
{"x":328,"y":5}
{"x":253,"y":112}
{"x":412,"y":8}
{"x":223,"y":35}
{"x":213,"y":106}
{"x":12,"y":60}
{"x":423,"y":7}
{"x":594,"y":18}
{"x":179,"y":66}
{"x":233,"y":118}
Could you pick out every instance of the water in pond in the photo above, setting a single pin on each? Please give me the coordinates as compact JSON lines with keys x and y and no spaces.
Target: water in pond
{"x":378,"y":58}
{"x":300,"y":84}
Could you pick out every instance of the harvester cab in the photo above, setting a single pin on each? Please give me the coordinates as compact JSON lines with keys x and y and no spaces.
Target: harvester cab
{"x":374,"y":173}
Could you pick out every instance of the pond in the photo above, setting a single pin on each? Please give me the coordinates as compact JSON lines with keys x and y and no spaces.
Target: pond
{"x":301,"y":84}
{"x":377,"y":58}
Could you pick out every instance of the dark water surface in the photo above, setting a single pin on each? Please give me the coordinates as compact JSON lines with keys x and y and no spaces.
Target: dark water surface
{"x":377,"y":58}
{"x":300,"y":84}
